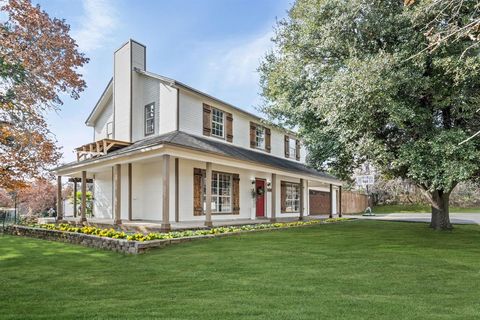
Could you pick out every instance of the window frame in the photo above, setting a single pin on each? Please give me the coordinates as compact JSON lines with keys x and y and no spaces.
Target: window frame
{"x":291,"y":201}
{"x":216,"y":196}
{"x":214,"y":123}
{"x":109,"y":130}
{"x":146,"y":119}
{"x":264,"y":130}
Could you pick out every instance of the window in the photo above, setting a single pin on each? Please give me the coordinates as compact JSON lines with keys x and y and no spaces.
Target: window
{"x":292,"y":148}
{"x":221,"y":193}
{"x":291,"y":197}
{"x":110,"y":130}
{"x":260,"y":137}
{"x":150,"y":119}
{"x":217,"y":123}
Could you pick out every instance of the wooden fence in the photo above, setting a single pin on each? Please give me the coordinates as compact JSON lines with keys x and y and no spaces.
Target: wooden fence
{"x":352,"y":202}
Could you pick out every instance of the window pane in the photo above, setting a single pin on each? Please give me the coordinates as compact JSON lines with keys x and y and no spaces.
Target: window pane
{"x":217,"y":122}
{"x":260,"y":137}
{"x":150,"y":118}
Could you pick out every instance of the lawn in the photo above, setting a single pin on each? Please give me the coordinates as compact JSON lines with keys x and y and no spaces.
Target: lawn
{"x":349,"y":270}
{"x":416,"y":208}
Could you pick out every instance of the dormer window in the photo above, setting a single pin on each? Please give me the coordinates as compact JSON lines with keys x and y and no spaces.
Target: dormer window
{"x":150,"y":119}
{"x":218,"y":119}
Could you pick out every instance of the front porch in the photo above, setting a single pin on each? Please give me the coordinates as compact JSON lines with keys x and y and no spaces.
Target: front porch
{"x":163,"y":188}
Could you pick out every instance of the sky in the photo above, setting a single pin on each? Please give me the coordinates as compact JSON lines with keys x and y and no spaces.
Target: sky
{"x":212,"y":45}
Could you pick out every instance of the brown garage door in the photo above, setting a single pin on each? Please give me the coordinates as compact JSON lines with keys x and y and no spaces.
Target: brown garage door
{"x":319,"y":202}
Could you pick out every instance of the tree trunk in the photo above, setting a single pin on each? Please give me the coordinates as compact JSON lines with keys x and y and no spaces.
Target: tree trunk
{"x":440,"y":210}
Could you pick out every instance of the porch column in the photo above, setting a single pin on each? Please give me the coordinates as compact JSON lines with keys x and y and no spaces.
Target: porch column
{"x":302,"y":199}
{"x":274,"y":198}
{"x":166,"y":193}
{"x":339,"y":201}
{"x":74,"y":197}
{"x":59,"y":199}
{"x":331,"y":201}
{"x":117,"y":197}
{"x":130,"y":204}
{"x":83,"y":209}
{"x":208,"y":198}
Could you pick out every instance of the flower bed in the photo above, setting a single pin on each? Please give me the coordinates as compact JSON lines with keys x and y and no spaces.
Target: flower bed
{"x":134,"y":243}
{"x":114,"y":234}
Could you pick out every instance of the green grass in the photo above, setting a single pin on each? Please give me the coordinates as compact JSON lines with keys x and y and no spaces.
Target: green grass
{"x":416,"y":208}
{"x":350,"y":270}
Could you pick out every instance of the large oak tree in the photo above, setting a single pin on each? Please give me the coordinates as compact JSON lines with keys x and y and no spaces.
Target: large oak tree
{"x":39,"y":63}
{"x":352,"y":76}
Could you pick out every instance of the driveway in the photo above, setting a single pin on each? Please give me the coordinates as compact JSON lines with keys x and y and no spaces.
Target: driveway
{"x":456,"y":218}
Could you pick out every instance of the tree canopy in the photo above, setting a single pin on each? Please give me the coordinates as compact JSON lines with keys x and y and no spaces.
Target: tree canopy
{"x":352,"y":76}
{"x":39,"y":63}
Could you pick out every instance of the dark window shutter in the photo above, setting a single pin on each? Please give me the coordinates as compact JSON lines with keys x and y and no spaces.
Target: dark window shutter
{"x":268,"y":139}
{"x":297,"y":148}
{"x":197,"y":192}
{"x":207,"y":119}
{"x":253,"y":128}
{"x":283,"y":197}
{"x":287,"y":147}
{"x":236,"y":194}
{"x":229,"y":127}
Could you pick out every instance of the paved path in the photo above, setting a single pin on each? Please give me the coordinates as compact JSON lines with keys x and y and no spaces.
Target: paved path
{"x":456,"y":218}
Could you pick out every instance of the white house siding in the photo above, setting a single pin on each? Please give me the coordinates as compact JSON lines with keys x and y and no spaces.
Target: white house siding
{"x":147,"y":190}
{"x":167,"y":109}
{"x":147,"y":90}
{"x":103,"y":194}
{"x":100,"y":129}
{"x":191,"y":116}
{"x":138,"y":56}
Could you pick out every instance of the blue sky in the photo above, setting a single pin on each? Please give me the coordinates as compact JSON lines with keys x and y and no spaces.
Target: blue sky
{"x":212,"y":45}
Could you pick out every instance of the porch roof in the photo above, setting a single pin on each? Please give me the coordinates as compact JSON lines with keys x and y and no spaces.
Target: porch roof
{"x":186,"y":140}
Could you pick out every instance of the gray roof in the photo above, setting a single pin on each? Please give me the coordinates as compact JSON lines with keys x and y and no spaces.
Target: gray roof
{"x":183,"y":139}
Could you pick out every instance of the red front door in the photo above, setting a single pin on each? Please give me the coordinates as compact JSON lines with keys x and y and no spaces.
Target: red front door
{"x":260,"y":189}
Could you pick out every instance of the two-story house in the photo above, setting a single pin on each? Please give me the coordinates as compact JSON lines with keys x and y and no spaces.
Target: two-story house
{"x":164,"y":151}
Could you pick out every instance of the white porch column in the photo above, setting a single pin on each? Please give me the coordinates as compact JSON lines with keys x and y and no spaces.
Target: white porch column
{"x":331,"y":201}
{"x":166,"y":193}
{"x":117,"y":201}
{"x":302,"y":198}
{"x":83,"y":209}
{"x":59,"y":199}
{"x":75,"y":197}
{"x":208,"y":198}
{"x":273,"y":218}
{"x":339,"y":209}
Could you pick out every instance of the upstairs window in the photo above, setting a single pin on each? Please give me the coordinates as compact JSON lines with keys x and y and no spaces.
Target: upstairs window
{"x":110,"y":130}
{"x":150,"y":119}
{"x":218,"y":119}
{"x":292,"y":148}
{"x":260,"y":137}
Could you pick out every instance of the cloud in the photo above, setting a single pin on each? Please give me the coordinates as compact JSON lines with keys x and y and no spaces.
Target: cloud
{"x":236,"y":62}
{"x":228,"y":69}
{"x":96,"y":25}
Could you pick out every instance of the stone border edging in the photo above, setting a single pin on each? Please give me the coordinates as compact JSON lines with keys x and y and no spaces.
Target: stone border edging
{"x":123,"y":245}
